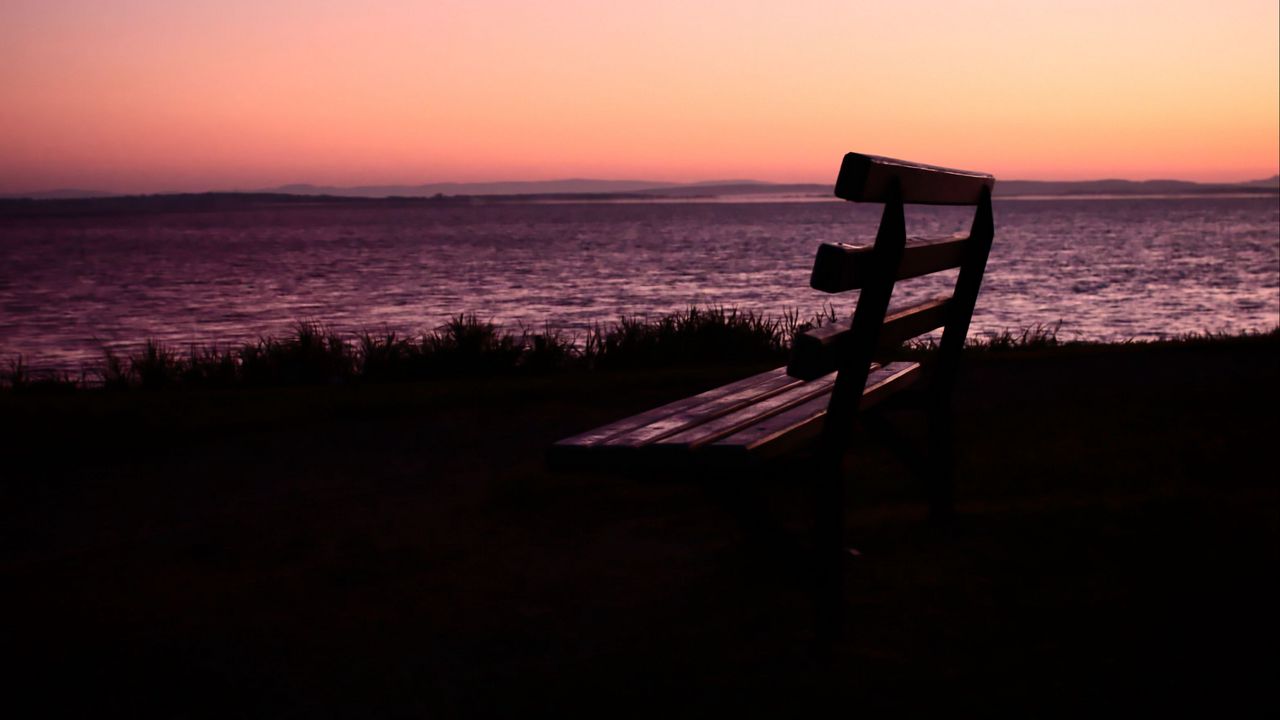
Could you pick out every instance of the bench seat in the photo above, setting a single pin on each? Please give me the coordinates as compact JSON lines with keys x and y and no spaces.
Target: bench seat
{"x":758,"y":417}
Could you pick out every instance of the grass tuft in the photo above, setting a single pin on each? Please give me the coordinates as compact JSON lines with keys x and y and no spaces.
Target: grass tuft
{"x":467,"y":346}
{"x":1035,"y":337}
{"x":19,"y":378}
{"x":312,"y":355}
{"x":696,"y":335}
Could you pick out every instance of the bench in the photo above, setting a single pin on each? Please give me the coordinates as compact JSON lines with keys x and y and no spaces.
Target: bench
{"x":837,"y":372}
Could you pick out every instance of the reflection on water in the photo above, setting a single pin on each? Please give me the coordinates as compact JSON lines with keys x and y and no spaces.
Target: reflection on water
{"x":1107,"y":269}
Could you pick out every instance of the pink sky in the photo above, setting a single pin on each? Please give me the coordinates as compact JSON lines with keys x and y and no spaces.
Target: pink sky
{"x":144,"y":96}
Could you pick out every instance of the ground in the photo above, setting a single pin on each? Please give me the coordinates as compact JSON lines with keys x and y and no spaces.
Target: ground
{"x":393,"y":550}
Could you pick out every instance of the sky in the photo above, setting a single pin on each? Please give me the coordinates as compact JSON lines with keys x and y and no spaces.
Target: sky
{"x":154,"y":96}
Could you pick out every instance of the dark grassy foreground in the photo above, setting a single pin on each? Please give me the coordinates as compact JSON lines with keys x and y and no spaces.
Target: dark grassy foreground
{"x":399,"y":549}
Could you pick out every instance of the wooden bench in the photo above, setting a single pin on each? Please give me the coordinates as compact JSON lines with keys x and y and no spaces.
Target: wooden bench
{"x":837,"y":371}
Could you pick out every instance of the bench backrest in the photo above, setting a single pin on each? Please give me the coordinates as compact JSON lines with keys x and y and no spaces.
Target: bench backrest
{"x":874,"y":333}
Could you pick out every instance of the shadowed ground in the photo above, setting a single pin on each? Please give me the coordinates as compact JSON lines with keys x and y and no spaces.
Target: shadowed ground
{"x":402,"y":550}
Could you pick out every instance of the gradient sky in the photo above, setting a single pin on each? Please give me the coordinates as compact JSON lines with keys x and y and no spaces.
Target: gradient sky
{"x":150,"y":95}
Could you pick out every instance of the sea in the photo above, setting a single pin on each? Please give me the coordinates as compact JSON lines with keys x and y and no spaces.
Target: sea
{"x":1092,"y":268}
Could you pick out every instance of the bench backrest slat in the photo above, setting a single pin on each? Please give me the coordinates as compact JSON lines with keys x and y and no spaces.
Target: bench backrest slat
{"x":839,"y":267}
{"x":870,"y":178}
{"x":817,"y":352}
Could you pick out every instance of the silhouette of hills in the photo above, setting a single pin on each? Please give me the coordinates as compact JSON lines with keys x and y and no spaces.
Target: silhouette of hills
{"x":1007,"y":188}
{"x":60,"y":194}
{"x":515,"y":187}
{"x":1013,"y":188}
{"x":572,"y":186}
{"x":1273,"y":181}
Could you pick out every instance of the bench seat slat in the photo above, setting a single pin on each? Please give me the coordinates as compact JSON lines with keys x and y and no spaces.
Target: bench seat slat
{"x":597,"y":436}
{"x":704,"y":412}
{"x":839,"y":267}
{"x":775,"y":435}
{"x":716,"y":428}
{"x":792,"y":428}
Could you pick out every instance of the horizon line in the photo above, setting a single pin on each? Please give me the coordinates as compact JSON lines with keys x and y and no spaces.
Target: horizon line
{"x":646,"y":185}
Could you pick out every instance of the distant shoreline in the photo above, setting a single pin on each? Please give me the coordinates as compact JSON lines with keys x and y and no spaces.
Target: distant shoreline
{"x":234,"y":201}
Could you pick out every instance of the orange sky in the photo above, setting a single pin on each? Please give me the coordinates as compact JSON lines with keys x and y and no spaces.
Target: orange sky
{"x":145,"y":95}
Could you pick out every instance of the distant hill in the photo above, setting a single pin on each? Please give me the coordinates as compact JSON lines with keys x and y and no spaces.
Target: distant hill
{"x":738,"y":187}
{"x":1007,"y":188}
{"x":1271,"y":182}
{"x":1014,"y":188}
{"x":514,"y":187}
{"x":60,"y":194}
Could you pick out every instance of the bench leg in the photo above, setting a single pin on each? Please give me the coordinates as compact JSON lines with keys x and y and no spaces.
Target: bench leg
{"x":941,"y":463}
{"x":831,"y":553}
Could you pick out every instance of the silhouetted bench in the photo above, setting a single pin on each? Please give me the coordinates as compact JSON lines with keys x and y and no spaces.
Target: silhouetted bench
{"x":836,"y":371}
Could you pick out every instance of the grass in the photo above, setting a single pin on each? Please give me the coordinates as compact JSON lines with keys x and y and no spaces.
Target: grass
{"x":693,"y":336}
{"x":467,"y":346}
{"x":18,"y":376}
{"x":1036,"y":337}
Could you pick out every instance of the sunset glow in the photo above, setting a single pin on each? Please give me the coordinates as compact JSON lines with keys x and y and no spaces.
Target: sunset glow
{"x":148,"y":96}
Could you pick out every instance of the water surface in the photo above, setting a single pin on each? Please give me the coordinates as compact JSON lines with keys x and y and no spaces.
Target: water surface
{"x":1105,"y":268}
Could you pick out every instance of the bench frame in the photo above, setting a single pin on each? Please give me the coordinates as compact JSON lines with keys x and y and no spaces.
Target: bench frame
{"x":852,"y":352}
